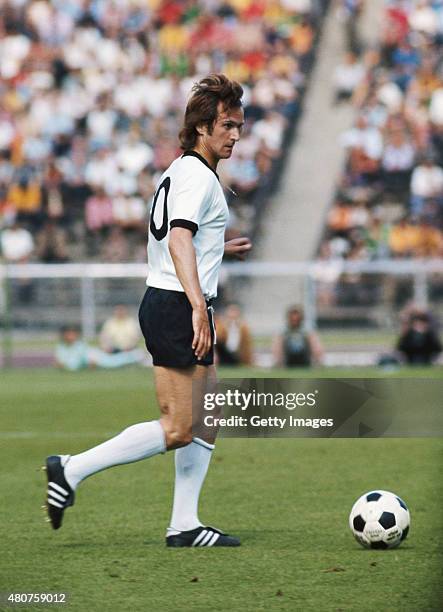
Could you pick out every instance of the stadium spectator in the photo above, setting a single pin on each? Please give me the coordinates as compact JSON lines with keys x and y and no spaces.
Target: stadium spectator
{"x":395,"y":149}
{"x":120,"y":332}
{"x":397,"y":162}
{"x":243,"y":174}
{"x":91,"y":97}
{"x":350,"y":12}
{"x":72,"y":353}
{"x":430,"y":240}
{"x":115,"y":249}
{"x":51,"y":243}
{"x":98,"y":211}
{"x":17,"y":247}
{"x":347,"y":77}
{"x":377,"y":238}
{"x":234,"y":339}
{"x":419,"y":344}
{"x":17,"y":244}
{"x":297,"y":347}
{"x":24,"y":196}
{"x":426,"y":185}
{"x":403,"y":238}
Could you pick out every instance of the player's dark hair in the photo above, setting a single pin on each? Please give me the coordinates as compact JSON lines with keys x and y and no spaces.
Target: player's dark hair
{"x":202,"y":107}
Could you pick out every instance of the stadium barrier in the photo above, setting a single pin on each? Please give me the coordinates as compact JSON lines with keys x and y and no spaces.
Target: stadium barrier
{"x":45,"y":296}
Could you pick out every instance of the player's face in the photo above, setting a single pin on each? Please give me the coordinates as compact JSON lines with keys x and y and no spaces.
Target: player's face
{"x":225,"y":133}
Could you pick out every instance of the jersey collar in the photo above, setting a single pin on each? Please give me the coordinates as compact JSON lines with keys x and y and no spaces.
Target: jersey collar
{"x":202,"y":159}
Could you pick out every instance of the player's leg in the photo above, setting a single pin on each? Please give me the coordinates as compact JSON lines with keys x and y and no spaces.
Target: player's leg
{"x":136,"y":442}
{"x":180,"y":395}
{"x":65,"y":472}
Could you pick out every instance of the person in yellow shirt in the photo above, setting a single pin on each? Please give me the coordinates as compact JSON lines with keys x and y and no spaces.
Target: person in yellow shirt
{"x":120,"y":332}
{"x":404,"y":239}
{"x":25,"y":196}
{"x":173,"y":38}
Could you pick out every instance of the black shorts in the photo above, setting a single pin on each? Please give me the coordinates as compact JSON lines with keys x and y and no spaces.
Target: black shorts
{"x":166,"y":322}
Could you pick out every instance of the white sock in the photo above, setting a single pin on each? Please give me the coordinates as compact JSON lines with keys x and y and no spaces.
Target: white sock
{"x":132,"y":444}
{"x":191,"y":465}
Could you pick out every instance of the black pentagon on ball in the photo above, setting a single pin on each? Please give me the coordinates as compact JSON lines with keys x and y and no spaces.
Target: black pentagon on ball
{"x":405,"y":533}
{"x":402,"y":503}
{"x":379,"y":545}
{"x":373,"y":496}
{"x":359,"y":523}
{"x":387,"y":520}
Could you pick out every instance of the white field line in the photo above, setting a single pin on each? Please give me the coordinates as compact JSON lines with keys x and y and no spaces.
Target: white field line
{"x":21,"y":435}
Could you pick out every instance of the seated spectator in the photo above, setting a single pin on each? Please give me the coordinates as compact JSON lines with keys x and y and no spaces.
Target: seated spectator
{"x":377,"y":238}
{"x":339,"y":218}
{"x":51,"y":244}
{"x":430,"y":240}
{"x":74,"y":354}
{"x":134,"y":155}
{"x":17,"y":244}
{"x":347,"y":77}
{"x":270,"y":131}
{"x":403,"y":238}
{"x":426,"y":184}
{"x":397,"y":162}
{"x":297,"y":347}
{"x":419,"y":344}
{"x":234,"y":340}
{"x":25,"y":196}
{"x":98,"y":211}
{"x":115,"y":248}
{"x":363,"y":169}
{"x":129,"y":211}
{"x":243,"y":174}
{"x":364,"y":137}
{"x":120,"y":332}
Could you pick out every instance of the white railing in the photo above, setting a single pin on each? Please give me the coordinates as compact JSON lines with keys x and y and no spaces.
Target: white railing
{"x":419,"y":270}
{"x":250,"y":268}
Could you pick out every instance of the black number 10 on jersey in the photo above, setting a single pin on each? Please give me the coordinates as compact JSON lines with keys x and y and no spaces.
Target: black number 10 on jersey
{"x":160,"y":232}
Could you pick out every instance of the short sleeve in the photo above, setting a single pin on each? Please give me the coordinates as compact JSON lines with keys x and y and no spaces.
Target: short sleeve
{"x":190,"y":198}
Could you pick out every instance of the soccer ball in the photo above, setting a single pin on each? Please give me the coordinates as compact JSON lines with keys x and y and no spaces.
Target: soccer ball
{"x":379,"y":519}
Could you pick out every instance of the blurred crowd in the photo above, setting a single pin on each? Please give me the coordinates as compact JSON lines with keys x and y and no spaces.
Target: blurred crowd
{"x":390,"y":198}
{"x":92,"y":94}
{"x":120,"y":337}
{"x":296,"y":346}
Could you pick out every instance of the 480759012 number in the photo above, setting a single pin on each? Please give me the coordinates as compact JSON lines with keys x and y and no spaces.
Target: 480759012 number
{"x":34,"y":598}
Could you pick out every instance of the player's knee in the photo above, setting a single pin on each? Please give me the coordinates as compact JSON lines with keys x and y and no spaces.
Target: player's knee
{"x":178,"y":436}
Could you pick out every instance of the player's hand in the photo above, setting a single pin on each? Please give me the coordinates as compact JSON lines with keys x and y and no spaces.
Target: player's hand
{"x":202,"y":333}
{"x":238,"y":247}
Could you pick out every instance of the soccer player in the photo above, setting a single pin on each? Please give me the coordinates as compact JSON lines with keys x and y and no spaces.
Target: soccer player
{"x":185,"y":249}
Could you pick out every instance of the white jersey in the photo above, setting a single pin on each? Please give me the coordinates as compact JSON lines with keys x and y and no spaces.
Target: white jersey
{"x":189,"y":195}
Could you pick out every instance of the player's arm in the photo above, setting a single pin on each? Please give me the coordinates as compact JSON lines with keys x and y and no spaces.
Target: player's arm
{"x":183,"y":256}
{"x":237,"y":247}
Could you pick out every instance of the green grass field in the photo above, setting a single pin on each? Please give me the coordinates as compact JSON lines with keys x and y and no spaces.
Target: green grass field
{"x":287,"y":499}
